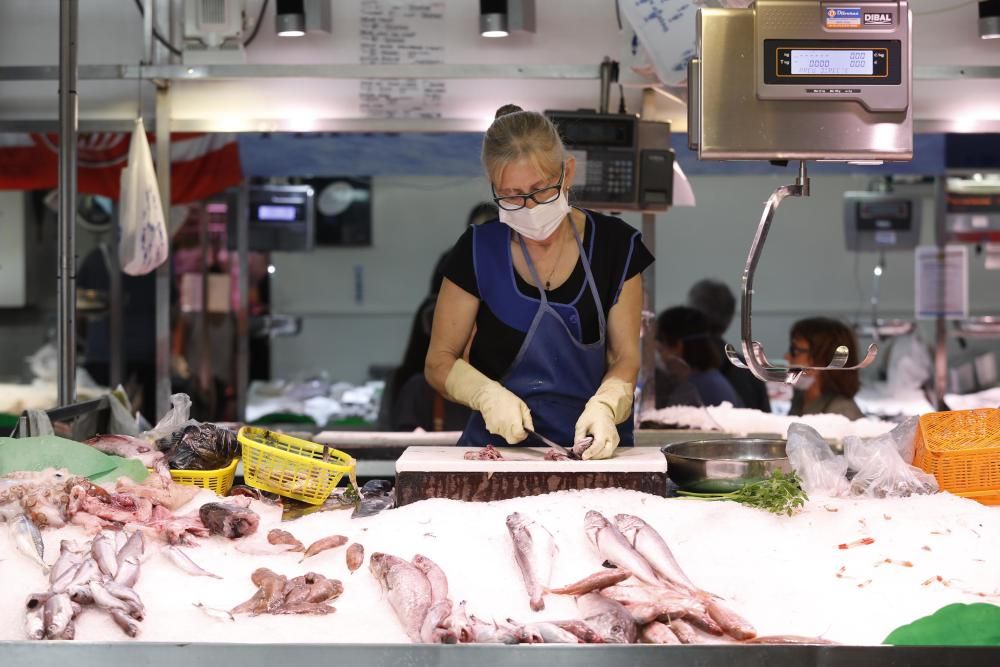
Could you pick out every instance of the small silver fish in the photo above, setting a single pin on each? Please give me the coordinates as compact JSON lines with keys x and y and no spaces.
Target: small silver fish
{"x":70,"y":557}
{"x":34,"y":615}
{"x":217,"y":614}
{"x":534,"y":551}
{"x":125,"y":622}
{"x":129,"y":597}
{"x":28,"y":539}
{"x":103,"y":549}
{"x":132,"y":548}
{"x":184,"y":562}
{"x":58,"y":614}
{"x":105,"y":600}
{"x":128,"y":571}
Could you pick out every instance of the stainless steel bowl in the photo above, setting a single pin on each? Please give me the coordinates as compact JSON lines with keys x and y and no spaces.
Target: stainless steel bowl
{"x":722,"y":465}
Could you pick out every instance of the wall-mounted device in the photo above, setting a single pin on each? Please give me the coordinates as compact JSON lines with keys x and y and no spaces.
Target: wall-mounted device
{"x":343,"y":214}
{"x":972,"y":208}
{"x":623,"y":163}
{"x":802,"y":80}
{"x":213,"y":32}
{"x":280,"y":217}
{"x":881,"y":221}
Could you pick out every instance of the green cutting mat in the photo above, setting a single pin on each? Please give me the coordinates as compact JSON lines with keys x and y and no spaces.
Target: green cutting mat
{"x":955,"y":625}
{"x":49,"y":451}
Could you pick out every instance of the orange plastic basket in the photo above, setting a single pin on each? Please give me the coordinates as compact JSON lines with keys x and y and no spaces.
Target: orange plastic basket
{"x":962,"y":450}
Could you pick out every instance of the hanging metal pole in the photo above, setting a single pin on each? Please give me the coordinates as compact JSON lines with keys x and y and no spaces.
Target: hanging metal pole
{"x":941,"y":324}
{"x":68,"y":110}
{"x":243,"y":315}
{"x":163,"y":272}
{"x":647,"y":327}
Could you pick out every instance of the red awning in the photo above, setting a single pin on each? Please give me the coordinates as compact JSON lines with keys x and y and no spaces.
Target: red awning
{"x":201,"y":164}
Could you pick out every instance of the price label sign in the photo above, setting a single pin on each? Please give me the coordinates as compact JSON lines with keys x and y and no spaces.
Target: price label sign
{"x":941,"y":282}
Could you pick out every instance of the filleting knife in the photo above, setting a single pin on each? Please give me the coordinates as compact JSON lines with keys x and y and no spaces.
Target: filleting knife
{"x":568,"y":453}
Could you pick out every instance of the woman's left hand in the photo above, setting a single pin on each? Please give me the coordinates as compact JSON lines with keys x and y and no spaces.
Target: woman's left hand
{"x":597,"y":422}
{"x":609,"y":406}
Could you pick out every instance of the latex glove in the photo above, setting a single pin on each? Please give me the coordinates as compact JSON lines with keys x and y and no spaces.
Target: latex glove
{"x":505,"y":414}
{"x":611,"y":405}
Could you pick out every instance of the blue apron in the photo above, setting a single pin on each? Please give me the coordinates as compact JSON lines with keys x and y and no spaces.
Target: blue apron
{"x":553,"y":373}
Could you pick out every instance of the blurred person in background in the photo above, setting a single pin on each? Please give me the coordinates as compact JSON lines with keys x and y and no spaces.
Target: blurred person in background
{"x":684,"y":332}
{"x":138,"y":328}
{"x":410,"y":402}
{"x":716,"y":302}
{"x":813,"y":341}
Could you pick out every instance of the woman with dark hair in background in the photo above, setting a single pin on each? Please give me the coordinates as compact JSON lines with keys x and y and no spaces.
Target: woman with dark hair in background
{"x":813,"y":341}
{"x":684,"y":332}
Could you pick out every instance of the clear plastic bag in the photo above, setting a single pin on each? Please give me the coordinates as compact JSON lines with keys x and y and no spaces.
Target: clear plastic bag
{"x":822,"y":472}
{"x":177,"y":417}
{"x":883,"y":464}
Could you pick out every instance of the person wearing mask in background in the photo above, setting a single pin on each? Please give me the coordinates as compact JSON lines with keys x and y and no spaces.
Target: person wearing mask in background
{"x":813,"y":341}
{"x":410,"y":402}
{"x":717,"y":303}
{"x":683,"y":332}
{"x":550,"y":297}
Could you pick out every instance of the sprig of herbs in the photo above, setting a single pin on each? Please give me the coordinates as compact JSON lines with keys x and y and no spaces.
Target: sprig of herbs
{"x":778,"y":494}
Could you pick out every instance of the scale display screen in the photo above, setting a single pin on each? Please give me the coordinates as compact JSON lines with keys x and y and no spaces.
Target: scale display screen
{"x":277,"y":212}
{"x":837,"y":62}
{"x":884,"y":214}
{"x":834,"y":61}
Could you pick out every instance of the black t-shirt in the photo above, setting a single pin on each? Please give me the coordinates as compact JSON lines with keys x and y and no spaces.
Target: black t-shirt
{"x":616,"y":253}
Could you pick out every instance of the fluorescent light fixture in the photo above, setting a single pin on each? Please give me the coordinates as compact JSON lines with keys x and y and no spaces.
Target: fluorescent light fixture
{"x":499,"y":18}
{"x":989,"y":19}
{"x":290,"y":18}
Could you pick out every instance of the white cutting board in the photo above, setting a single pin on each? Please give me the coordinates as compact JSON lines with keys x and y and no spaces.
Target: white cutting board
{"x":527,"y":459}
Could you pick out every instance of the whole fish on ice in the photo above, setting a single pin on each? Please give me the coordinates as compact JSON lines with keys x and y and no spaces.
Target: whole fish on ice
{"x":28,"y":540}
{"x":355,"y":556}
{"x":651,"y":546}
{"x":407,"y":589}
{"x":611,"y":620}
{"x":229,"y":520}
{"x":322,"y":544}
{"x":614,"y":546}
{"x":184,"y":562}
{"x":534,"y":551}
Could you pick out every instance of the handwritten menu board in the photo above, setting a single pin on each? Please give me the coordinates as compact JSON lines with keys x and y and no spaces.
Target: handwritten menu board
{"x":402,"y":32}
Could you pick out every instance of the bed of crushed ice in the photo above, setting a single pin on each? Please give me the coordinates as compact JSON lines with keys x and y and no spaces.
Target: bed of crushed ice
{"x":787,"y":575}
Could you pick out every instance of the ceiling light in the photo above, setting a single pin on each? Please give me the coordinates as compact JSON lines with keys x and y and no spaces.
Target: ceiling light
{"x":989,"y":19}
{"x":499,"y":18}
{"x":289,"y":18}
{"x":493,"y":18}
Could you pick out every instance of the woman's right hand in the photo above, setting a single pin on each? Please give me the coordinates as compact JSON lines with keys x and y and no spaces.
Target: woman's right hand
{"x":504,"y":413}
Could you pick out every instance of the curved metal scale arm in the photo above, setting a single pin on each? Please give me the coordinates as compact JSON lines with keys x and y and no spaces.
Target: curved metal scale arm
{"x":753,"y":357}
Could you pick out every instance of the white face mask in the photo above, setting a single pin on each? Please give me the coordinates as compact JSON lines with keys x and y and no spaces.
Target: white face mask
{"x":540,"y":222}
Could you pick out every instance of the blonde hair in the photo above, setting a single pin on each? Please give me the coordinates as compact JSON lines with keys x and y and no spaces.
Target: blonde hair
{"x":517,"y":135}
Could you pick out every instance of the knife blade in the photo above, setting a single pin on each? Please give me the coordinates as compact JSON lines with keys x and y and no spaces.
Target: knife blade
{"x":548,"y":443}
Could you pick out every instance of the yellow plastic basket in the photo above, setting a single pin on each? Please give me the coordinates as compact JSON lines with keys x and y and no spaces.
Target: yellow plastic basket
{"x":220,"y":480}
{"x":292,"y":467}
{"x":961,"y":449}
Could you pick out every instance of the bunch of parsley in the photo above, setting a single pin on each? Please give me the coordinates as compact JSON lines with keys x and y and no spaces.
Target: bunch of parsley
{"x":778,"y":494}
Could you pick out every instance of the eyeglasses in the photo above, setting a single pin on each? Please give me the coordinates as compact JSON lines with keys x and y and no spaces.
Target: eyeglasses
{"x":794,"y":350}
{"x":545,"y":195}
